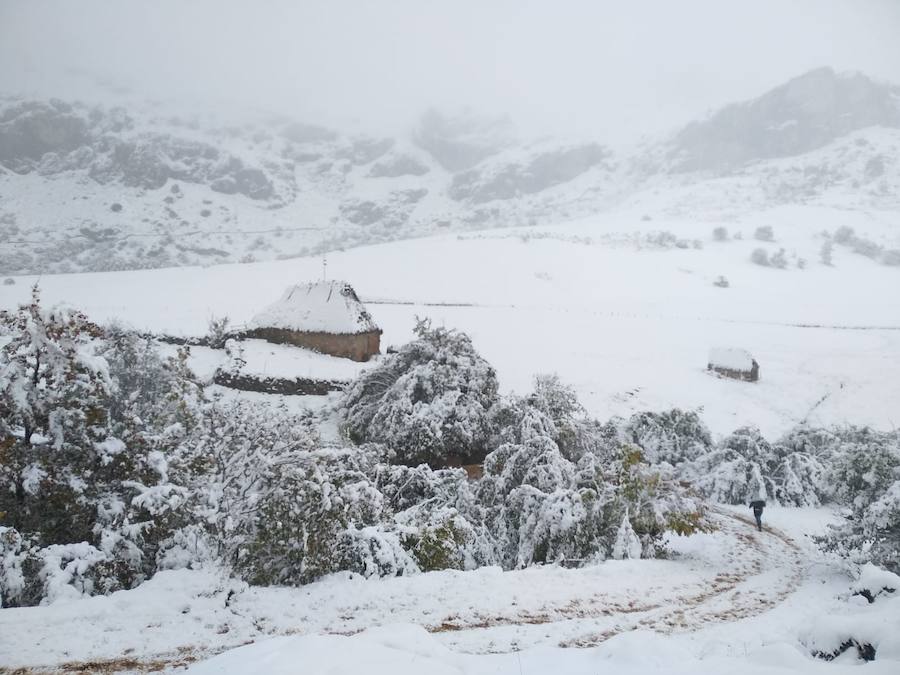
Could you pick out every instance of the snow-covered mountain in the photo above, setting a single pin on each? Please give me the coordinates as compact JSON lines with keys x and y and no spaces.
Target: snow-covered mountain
{"x":98,"y":188}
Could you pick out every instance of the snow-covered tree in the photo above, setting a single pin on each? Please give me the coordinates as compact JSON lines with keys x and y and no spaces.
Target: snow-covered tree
{"x":673,"y":436}
{"x":745,"y":466}
{"x":542,"y":507}
{"x":308,"y":510}
{"x":429,"y":402}
{"x":91,"y":424}
{"x":54,"y":428}
{"x":734,"y":472}
{"x":878,"y":529}
{"x":866,"y":478}
{"x":863,"y":467}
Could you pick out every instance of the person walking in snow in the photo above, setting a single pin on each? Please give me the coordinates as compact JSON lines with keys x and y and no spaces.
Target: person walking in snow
{"x":758,"y":506}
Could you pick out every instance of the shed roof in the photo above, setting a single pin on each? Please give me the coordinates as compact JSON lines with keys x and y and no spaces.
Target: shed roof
{"x":731,"y":358}
{"x":318,"y":307}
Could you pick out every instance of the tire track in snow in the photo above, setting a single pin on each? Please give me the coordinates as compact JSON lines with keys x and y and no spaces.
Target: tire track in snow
{"x":764,"y":569}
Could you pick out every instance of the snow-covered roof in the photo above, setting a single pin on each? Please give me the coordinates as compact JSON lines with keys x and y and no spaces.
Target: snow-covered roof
{"x":731,"y":358}
{"x":319,"y":307}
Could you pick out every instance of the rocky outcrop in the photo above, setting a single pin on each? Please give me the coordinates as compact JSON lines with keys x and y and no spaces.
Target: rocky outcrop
{"x":391,"y":212}
{"x":542,"y":171}
{"x":314,"y":190}
{"x":802,"y":115}
{"x":298,"y":132}
{"x":31,"y":129}
{"x":364,"y":150}
{"x":459,"y":143}
{"x":397,"y":165}
{"x":55,"y":137}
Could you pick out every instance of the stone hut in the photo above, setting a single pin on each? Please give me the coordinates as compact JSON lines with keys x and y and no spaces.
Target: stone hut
{"x":325,"y":316}
{"x":738,"y":364}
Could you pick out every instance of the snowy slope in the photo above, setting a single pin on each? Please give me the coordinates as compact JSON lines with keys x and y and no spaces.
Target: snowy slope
{"x":103,"y":188}
{"x":622,"y":313}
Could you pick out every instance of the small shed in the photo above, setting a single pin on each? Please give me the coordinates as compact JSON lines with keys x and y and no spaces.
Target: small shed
{"x":735,"y":363}
{"x":325,"y":316}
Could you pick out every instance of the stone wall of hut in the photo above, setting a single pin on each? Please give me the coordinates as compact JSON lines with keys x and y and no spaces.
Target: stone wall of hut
{"x":751,"y":375}
{"x":359,"y":347}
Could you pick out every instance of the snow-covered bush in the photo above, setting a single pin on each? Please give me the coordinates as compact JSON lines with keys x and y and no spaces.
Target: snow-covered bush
{"x":844,"y":235}
{"x":20,"y":582}
{"x":673,"y":436}
{"x":866,"y":247}
{"x":806,"y":467}
{"x":284,"y":510}
{"x":779,"y":259}
{"x":32,"y":574}
{"x":826,"y":253}
{"x":720,"y":234}
{"x":542,"y":507}
{"x":90,"y":427}
{"x":551,"y":411}
{"x":654,"y":499}
{"x":847,"y":237}
{"x":309,"y":507}
{"x":864,"y":464}
{"x":721,"y":282}
{"x":745,"y":466}
{"x":218,"y":331}
{"x":429,"y":402}
{"x":764,"y":233}
{"x":879,"y":527}
{"x":575,"y":432}
{"x":733,"y":471}
{"x":760,"y":257}
{"x":871,"y":534}
{"x":864,"y":475}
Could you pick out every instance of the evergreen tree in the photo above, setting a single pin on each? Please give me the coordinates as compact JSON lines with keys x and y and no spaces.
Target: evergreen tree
{"x":429,"y":402}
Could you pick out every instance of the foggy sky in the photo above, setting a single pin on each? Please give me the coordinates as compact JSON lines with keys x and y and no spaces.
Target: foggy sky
{"x":604,"y":69}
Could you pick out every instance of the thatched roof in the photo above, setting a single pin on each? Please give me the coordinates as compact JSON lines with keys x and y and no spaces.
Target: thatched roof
{"x":318,"y":307}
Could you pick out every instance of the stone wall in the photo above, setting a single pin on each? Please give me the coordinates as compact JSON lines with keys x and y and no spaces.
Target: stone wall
{"x":751,"y":375}
{"x":359,"y":347}
{"x":275,"y":385}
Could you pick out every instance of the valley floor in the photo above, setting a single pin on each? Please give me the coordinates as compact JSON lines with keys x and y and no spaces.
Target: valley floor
{"x":627,"y":323}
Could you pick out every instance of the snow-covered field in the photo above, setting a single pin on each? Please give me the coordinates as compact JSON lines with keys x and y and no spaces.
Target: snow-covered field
{"x":629,"y":323}
{"x":731,"y":601}
{"x":765,"y":234}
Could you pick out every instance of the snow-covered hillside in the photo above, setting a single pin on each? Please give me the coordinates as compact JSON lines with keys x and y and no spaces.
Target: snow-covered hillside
{"x":451,"y":511}
{"x":86,"y":187}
